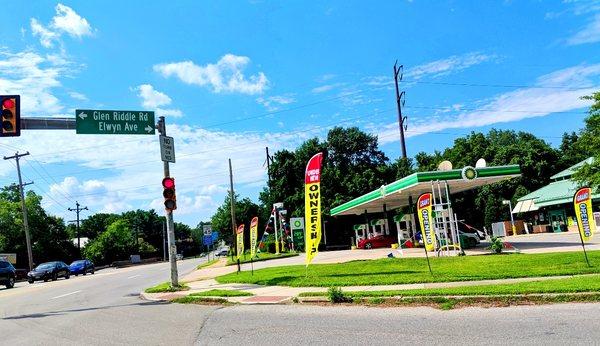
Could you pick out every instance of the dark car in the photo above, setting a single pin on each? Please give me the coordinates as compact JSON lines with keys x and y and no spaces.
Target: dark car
{"x":82,"y":267}
{"x":49,"y":271}
{"x":377,"y":241}
{"x":7,"y":274}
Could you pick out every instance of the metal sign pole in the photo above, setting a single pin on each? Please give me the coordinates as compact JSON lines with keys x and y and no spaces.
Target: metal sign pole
{"x":162,"y":129}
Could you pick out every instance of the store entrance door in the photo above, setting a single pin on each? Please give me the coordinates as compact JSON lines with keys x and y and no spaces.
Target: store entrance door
{"x":558,"y":220}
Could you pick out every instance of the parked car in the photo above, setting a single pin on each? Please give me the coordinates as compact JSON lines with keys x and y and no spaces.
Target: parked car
{"x":468,"y":240}
{"x":179,"y":257}
{"x":7,"y":274}
{"x":377,"y":241}
{"x":49,"y":271}
{"x":82,"y":267}
{"x":223,"y":252}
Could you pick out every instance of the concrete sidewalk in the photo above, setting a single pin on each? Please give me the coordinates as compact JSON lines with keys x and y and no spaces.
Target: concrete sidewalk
{"x":284,"y":294}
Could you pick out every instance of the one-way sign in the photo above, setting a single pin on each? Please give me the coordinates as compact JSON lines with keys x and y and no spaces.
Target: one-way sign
{"x":107,"y":122}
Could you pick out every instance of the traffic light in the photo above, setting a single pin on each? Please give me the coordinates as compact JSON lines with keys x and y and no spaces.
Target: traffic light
{"x":169,"y":194}
{"x":11,"y":115}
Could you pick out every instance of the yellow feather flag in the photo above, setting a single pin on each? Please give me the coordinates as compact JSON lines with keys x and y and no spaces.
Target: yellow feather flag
{"x":312,"y":206}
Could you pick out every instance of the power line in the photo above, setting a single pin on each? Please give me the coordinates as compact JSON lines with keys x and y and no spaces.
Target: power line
{"x":571,"y":88}
{"x":47,"y":182}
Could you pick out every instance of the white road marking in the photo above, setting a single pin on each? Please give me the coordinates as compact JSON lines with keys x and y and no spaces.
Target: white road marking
{"x":134,"y":276}
{"x":67,"y":294}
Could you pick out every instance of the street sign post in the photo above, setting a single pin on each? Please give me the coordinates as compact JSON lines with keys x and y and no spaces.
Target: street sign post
{"x":207,"y":229}
{"x":208,"y":239}
{"x":167,"y":149}
{"x":111,"y":122}
{"x":297,"y":228}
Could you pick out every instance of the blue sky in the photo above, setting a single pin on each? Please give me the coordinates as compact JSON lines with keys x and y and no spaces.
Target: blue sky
{"x":234,"y":77}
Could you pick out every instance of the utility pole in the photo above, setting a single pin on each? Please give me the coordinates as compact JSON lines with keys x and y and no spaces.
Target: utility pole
{"x":398,"y":71}
{"x":78,"y":209}
{"x":162,"y":129}
{"x":17,"y":156}
{"x":268,"y":168}
{"x":232,"y":202}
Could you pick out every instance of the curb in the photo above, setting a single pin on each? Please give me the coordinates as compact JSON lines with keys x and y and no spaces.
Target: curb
{"x":145,"y":296}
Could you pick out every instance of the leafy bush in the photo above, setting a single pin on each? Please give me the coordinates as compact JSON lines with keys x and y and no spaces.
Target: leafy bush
{"x":336,"y":295}
{"x":496,"y":245}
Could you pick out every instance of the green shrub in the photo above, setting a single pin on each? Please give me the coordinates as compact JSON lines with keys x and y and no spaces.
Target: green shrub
{"x":496,"y":245}
{"x":336,"y":295}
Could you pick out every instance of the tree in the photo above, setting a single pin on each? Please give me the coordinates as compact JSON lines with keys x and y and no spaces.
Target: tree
{"x":589,"y":173}
{"x":483,"y":206}
{"x":96,"y":224}
{"x":117,"y":243}
{"x":352,"y":166}
{"x":146,"y":225}
{"x":571,"y":151}
{"x":245,"y":210}
{"x":49,"y":237}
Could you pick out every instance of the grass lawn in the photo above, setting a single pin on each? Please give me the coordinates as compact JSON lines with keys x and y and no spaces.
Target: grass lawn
{"x":389,"y":271}
{"x":166,"y":287}
{"x":222,"y":293}
{"x":261,"y":256}
{"x":567,"y":285}
{"x":200,"y":300}
{"x":208,"y":264}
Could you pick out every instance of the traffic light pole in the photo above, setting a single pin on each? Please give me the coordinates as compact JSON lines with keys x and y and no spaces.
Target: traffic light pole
{"x":162,"y":129}
{"x":17,"y":156}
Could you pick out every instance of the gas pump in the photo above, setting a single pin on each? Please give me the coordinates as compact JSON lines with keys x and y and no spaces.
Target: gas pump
{"x":405,"y":225}
{"x":379,"y":227}
{"x":360,"y":231}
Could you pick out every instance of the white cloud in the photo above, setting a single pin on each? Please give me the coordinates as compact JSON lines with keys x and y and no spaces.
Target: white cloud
{"x":69,"y":21}
{"x":46,"y":36}
{"x":589,"y":34}
{"x":326,"y":87}
{"x":96,"y":192}
{"x":66,"y":21}
{"x":153,"y":99}
{"x":448,"y":65}
{"x":224,"y":76}
{"x":109,"y":175}
{"x":273,"y":103}
{"x":78,"y":96}
{"x":538,"y":101}
{"x":33,"y":77}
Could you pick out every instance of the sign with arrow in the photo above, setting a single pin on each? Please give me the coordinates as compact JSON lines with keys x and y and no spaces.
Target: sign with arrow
{"x":107,"y":122}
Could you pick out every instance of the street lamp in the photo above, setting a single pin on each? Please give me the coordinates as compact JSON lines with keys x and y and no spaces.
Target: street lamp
{"x":512,"y":220}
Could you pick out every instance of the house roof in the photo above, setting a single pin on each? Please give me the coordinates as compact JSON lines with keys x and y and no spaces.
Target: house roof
{"x":560,"y":191}
{"x":567,"y":173}
{"x":396,"y":194}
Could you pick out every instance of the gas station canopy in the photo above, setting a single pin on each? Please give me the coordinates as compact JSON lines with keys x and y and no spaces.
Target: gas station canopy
{"x":396,"y":194}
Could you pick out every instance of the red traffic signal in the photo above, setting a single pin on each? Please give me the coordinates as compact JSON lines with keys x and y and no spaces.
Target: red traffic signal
{"x":169,"y":194}
{"x":11,"y":115}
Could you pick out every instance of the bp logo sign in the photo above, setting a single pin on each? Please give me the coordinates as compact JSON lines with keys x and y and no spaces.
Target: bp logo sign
{"x":297,"y":223}
{"x":469,"y":173}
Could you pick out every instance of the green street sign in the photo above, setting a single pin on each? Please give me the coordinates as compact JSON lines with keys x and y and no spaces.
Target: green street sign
{"x":106,"y":122}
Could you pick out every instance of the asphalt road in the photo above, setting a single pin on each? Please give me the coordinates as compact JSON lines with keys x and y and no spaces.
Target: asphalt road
{"x":104,"y":309}
{"x":567,"y":324}
{"x":98,"y":309}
